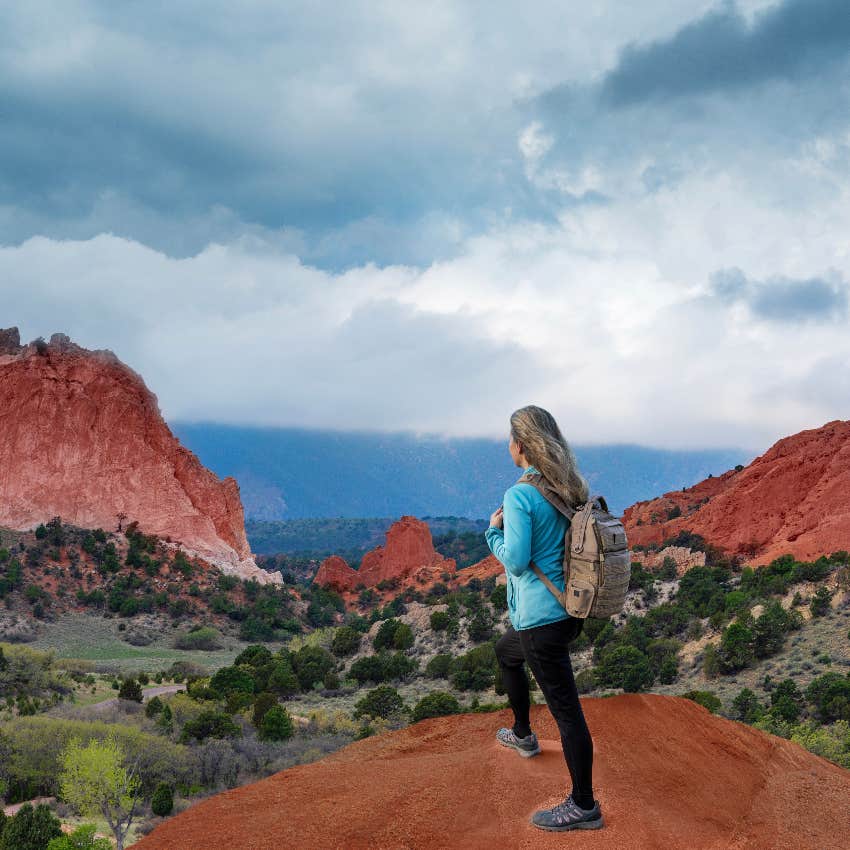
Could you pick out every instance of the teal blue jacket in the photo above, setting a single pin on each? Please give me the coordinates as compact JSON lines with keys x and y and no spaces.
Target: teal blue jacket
{"x":533,"y":531}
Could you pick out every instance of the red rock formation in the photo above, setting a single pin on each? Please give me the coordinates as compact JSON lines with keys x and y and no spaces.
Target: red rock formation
{"x":485,"y":568}
{"x":335,"y":574}
{"x":794,"y":498}
{"x":667,"y":773}
{"x":408,"y":547}
{"x":407,"y":558}
{"x":81,"y":437}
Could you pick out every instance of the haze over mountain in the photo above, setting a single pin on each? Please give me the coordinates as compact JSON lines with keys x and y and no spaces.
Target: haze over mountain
{"x":291,"y":473}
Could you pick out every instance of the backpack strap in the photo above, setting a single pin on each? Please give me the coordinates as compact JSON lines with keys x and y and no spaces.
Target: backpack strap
{"x":536,"y":480}
{"x":561,"y":597}
{"x":580,"y":526}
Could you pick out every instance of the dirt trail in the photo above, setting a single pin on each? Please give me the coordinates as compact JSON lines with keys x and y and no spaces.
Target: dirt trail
{"x":668,"y":774}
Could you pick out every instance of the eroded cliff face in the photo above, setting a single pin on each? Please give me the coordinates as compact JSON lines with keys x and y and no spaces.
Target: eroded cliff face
{"x":81,"y":437}
{"x":794,"y":498}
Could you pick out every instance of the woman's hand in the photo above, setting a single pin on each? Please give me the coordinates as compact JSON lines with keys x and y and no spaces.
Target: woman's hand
{"x":496,"y":517}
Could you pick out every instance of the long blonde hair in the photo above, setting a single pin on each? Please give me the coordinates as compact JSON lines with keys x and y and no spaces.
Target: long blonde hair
{"x":543,"y":444}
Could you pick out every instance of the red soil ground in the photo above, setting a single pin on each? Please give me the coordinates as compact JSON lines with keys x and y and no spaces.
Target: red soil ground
{"x":667,"y":773}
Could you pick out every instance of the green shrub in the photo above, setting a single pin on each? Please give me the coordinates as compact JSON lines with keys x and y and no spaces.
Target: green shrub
{"x":585,"y":681}
{"x":346,"y":641}
{"x":311,"y":664}
{"x":154,"y":707}
{"x":770,"y":629}
{"x":82,"y":838}
{"x":820,"y":602}
{"x":382,"y":701}
{"x":499,"y":597}
{"x":204,"y":638}
{"x":663,"y":654}
{"x":440,"y":621}
{"x":702,"y":590}
{"x":747,"y":707}
{"x":786,"y":701}
{"x":624,"y":667}
{"x":829,"y":742}
{"x":736,"y":648}
{"x":383,"y":667}
{"x":480,"y":627}
{"x":403,"y":637}
{"x":667,"y":620}
{"x":210,"y":724}
{"x":439,"y":666}
{"x":162,"y":801}
{"x":276,"y":724}
{"x":261,"y":705}
{"x":436,"y":704}
{"x":475,"y":670}
{"x":130,"y":690}
{"x":707,"y":699}
{"x":386,"y":634}
{"x":282,"y":679}
{"x":830,"y":695}
{"x":228,"y":680}
{"x":255,"y":655}
{"x":31,"y":828}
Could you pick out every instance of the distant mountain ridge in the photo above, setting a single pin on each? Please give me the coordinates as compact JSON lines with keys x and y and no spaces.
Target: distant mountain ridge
{"x":294,"y":473}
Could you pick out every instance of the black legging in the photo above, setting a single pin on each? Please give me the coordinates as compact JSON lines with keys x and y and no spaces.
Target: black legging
{"x":546,"y":650}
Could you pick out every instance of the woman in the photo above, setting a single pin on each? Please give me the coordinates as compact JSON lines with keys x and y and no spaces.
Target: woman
{"x":527,"y":528}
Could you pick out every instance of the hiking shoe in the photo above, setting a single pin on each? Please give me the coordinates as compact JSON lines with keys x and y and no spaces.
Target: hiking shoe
{"x":568,"y":815}
{"x":526,"y":747}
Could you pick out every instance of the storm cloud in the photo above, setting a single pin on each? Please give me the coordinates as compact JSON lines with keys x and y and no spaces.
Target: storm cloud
{"x":723,"y":51}
{"x":374,"y":215}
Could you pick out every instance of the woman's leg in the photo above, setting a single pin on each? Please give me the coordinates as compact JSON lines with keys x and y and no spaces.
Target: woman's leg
{"x":512,"y":664}
{"x":547,"y":653}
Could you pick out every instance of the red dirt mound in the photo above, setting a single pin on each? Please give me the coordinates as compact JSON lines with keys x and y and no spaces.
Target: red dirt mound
{"x":794,"y":498}
{"x":667,"y":773}
{"x":82,"y":438}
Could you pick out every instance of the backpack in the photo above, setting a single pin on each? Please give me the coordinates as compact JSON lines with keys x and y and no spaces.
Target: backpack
{"x":597,"y":561}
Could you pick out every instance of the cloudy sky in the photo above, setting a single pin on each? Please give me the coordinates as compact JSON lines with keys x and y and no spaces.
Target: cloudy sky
{"x":420,"y":216}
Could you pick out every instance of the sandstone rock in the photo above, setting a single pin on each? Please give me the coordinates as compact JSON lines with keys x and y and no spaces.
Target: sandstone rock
{"x":794,"y":498}
{"x":682,"y":556}
{"x":82,"y":438}
{"x":334,"y":573}
{"x":408,"y":547}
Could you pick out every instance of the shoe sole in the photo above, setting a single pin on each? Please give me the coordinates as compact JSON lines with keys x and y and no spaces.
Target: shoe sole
{"x":584,"y":824}
{"x":526,"y":754}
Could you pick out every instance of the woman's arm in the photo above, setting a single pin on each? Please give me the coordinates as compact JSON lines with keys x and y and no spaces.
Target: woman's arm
{"x":512,"y":546}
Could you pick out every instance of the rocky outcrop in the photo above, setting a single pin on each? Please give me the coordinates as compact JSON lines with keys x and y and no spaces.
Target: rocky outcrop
{"x":335,"y":574}
{"x":683,"y":557}
{"x":794,"y":498}
{"x":81,"y":437}
{"x":407,"y":558}
{"x":447,"y":783}
{"x":408,"y":548}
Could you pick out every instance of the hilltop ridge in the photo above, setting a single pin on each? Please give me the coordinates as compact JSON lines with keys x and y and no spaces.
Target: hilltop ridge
{"x":668,"y":775}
